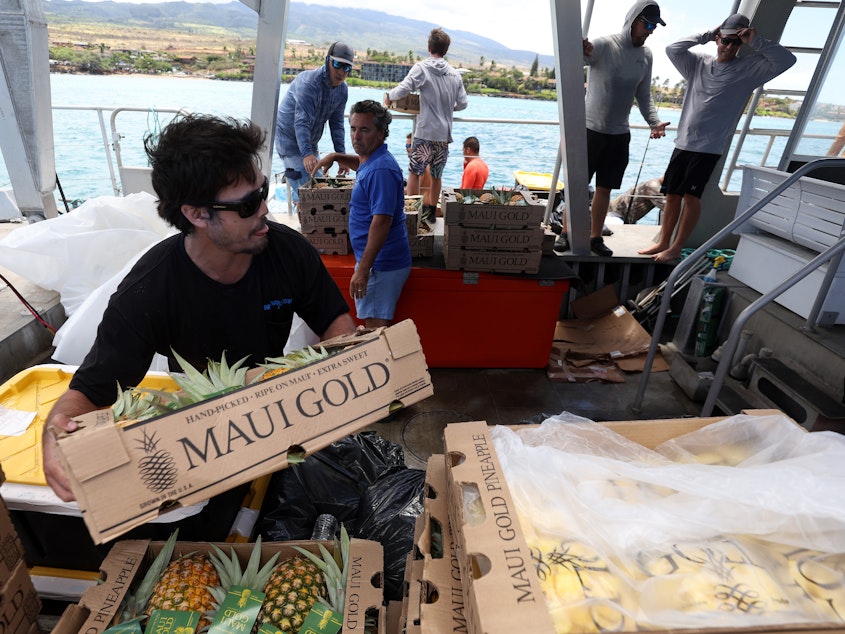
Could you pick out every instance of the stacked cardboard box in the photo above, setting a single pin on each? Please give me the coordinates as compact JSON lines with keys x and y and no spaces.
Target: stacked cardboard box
{"x":220,"y":443}
{"x":435,"y":594}
{"x":500,"y":238}
{"x":128,"y":561}
{"x":420,"y":235}
{"x":324,"y":215}
{"x":19,"y":603}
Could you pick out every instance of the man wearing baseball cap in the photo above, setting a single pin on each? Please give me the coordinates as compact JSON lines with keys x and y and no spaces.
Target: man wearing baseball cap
{"x":620,"y":73}
{"x":717,"y":91}
{"x":313,"y":98}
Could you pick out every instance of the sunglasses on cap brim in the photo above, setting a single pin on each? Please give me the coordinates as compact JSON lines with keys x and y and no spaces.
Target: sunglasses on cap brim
{"x":245,"y":207}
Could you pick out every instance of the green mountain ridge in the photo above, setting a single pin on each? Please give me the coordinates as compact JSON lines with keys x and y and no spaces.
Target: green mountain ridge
{"x":362,"y":29}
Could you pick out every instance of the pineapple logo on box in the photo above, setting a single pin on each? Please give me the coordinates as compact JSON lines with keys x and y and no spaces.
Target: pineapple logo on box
{"x":157,"y":468}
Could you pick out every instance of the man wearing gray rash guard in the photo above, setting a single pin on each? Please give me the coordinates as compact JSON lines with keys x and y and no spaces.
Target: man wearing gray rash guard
{"x":620,"y":72}
{"x":717,"y":91}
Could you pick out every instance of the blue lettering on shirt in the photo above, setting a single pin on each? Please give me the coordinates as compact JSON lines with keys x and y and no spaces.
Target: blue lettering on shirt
{"x":276,"y":304}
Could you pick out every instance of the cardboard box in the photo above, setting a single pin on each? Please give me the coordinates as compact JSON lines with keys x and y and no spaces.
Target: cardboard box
{"x":313,"y":200}
{"x":435,"y":592}
{"x":422,"y":245}
{"x":501,"y":588}
{"x":487,"y":216}
{"x":478,"y":238}
{"x":329,"y":221}
{"x":128,"y":560}
{"x":409,"y":103}
{"x":11,"y":548}
{"x":501,"y":592}
{"x":123,"y":476}
{"x":492,"y":261}
{"x":19,"y":603}
{"x":330,"y":244}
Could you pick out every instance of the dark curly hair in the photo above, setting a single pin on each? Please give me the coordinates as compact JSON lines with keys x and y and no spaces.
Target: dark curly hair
{"x":195,"y":156}
{"x":381,"y":115}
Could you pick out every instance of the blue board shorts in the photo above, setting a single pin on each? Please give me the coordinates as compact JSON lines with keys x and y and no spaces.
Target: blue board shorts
{"x":383,"y":290}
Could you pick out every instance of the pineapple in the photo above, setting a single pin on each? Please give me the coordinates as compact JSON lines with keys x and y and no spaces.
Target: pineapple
{"x":251,"y":579}
{"x":293,"y":588}
{"x":135,"y":603}
{"x":292,"y":360}
{"x":218,"y":378}
{"x":184,"y":586}
{"x":136,"y":404}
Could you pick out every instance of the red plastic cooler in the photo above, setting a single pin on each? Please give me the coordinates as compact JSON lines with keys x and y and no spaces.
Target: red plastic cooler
{"x":473,"y":320}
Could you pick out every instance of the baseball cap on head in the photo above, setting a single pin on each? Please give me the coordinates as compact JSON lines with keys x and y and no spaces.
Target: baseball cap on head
{"x":341,"y":52}
{"x":733,"y":24}
{"x":652,"y":13}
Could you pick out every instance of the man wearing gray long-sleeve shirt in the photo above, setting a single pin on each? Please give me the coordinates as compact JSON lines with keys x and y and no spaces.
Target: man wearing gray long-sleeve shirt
{"x":620,"y":72}
{"x":717,"y":91}
{"x":441,"y":93}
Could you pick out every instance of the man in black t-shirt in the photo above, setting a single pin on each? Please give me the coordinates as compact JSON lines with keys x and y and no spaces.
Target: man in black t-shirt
{"x":230,"y":281}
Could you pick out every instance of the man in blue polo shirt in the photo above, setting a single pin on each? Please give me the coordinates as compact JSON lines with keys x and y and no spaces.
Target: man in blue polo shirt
{"x":376,"y":215}
{"x":313,"y":98}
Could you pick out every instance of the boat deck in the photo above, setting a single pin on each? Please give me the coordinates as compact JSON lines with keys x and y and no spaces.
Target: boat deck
{"x":498,"y":396}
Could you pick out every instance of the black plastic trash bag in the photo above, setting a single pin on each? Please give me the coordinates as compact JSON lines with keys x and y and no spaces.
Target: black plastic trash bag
{"x":387,"y":514}
{"x":362,"y":480}
{"x":330,"y":481}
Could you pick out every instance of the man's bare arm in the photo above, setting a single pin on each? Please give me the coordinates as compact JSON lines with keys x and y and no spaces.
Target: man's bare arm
{"x":71,"y":403}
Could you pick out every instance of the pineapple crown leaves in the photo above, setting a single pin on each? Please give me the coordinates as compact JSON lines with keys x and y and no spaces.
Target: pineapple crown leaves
{"x":295,"y":359}
{"x":136,"y":603}
{"x":136,"y":404}
{"x":218,"y":378}
{"x":229,"y":569}
{"x":335,"y":568}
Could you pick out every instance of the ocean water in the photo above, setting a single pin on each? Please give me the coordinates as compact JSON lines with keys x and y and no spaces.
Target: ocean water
{"x":82,"y":161}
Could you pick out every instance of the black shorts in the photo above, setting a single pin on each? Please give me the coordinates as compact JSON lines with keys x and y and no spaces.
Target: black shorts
{"x":607,"y":157}
{"x":688,"y":172}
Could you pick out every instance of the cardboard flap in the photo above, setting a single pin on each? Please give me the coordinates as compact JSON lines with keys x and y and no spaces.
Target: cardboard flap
{"x":402,"y":338}
{"x":97,"y":452}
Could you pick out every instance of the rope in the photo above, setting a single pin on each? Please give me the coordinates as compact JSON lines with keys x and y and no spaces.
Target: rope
{"x":29,"y":306}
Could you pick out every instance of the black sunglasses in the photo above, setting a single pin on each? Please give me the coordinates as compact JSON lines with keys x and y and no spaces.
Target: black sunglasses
{"x":649,"y":26}
{"x":340,"y":65}
{"x":730,"y":41}
{"x":245,"y":207}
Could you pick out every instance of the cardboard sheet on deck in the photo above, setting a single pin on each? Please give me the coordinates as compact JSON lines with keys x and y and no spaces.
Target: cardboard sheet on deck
{"x":603,"y":332}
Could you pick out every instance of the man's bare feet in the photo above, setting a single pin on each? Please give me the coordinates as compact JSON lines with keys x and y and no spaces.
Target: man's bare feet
{"x":667,"y":256}
{"x":657,"y":248}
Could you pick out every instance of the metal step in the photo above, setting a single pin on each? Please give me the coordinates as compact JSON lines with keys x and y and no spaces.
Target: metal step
{"x":794,"y":395}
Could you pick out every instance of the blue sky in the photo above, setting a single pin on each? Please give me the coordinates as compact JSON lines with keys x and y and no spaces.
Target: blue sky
{"x":494,"y":19}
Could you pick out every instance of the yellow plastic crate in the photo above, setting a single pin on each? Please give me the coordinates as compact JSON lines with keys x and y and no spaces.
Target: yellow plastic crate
{"x":36,"y":389}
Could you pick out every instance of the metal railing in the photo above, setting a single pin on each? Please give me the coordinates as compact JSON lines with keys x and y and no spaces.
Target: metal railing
{"x":833,"y":253}
{"x":110,"y":137}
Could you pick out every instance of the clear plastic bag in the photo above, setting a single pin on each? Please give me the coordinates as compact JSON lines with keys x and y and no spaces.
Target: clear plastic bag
{"x":741,"y":523}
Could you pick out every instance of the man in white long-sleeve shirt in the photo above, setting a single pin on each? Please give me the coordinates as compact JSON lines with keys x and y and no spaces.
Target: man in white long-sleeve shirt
{"x":717,"y":91}
{"x":441,"y":93}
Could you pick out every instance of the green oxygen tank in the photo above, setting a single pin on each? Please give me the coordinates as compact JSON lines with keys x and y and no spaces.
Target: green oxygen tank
{"x":709,"y":314}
